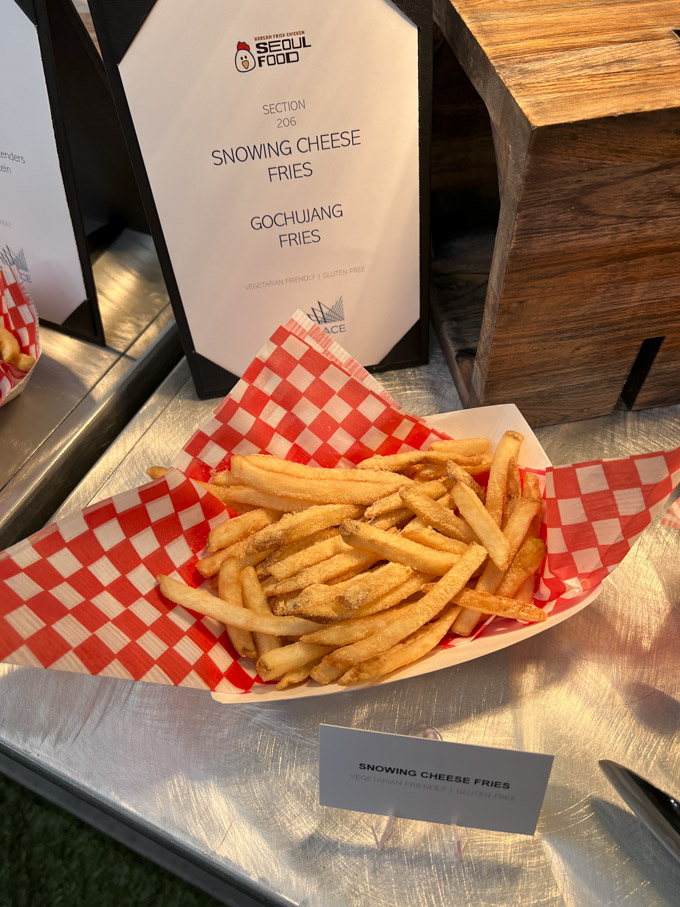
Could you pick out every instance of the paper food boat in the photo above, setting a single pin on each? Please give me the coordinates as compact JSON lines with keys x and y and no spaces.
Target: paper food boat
{"x":81,"y":594}
{"x":19,"y":315}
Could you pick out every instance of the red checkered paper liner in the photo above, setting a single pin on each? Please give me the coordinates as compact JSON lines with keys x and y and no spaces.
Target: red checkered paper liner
{"x":303,"y":398}
{"x":81,"y":594}
{"x":18,"y":315}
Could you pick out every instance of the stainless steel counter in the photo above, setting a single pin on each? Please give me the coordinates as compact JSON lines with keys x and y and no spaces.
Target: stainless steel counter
{"x":227,"y":795}
{"x":80,"y":394}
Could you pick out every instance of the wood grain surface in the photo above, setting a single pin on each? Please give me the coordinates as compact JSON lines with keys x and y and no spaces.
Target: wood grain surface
{"x":585,"y":269}
{"x":569,"y":60}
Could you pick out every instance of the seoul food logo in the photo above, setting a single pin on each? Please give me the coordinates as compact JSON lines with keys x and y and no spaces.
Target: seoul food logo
{"x":244,"y":61}
{"x":330,"y":318}
{"x":270,"y":50}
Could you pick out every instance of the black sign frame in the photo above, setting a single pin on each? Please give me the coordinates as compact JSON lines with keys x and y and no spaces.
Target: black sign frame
{"x":117,"y":24}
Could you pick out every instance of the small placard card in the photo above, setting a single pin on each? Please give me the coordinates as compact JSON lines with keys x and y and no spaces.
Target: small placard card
{"x":430,"y":780}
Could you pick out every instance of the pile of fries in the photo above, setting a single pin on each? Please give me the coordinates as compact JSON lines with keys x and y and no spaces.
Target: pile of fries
{"x":10,"y":352}
{"x":346,"y":575}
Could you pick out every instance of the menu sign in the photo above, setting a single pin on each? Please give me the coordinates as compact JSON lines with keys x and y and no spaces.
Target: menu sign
{"x":430,"y":780}
{"x":282,"y":145}
{"x":36,"y":228}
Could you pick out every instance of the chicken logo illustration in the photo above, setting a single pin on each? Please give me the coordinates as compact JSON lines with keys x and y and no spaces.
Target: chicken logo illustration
{"x":244,"y":61}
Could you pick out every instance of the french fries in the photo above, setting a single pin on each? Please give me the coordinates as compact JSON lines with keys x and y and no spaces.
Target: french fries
{"x":10,"y":351}
{"x":403,"y":653}
{"x":241,"y":526}
{"x":255,"y":599}
{"x":347,"y":575}
{"x":232,"y":615}
{"x":393,"y":547}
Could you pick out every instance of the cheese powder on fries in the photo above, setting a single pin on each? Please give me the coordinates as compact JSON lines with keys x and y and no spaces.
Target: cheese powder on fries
{"x":348,"y":575}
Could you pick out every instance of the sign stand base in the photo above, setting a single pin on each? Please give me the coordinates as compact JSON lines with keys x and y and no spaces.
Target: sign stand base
{"x":383,"y":827}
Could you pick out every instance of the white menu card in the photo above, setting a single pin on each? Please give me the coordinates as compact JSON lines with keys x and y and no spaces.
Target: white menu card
{"x":36,"y":230}
{"x":280,"y":141}
{"x":431,"y":780}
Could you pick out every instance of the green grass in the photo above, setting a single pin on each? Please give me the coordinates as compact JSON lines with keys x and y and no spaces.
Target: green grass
{"x":49,"y":858}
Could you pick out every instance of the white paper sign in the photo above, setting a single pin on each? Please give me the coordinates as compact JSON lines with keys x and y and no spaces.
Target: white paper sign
{"x":36,"y":232}
{"x":435,"y":781}
{"x":281,"y":145}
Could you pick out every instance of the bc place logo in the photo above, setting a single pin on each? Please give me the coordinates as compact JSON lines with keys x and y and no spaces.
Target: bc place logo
{"x":330,"y":318}
{"x":17,"y":260}
{"x":270,"y":50}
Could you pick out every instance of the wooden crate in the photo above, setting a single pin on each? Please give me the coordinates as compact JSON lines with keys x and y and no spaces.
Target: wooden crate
{"x":567,"y":297}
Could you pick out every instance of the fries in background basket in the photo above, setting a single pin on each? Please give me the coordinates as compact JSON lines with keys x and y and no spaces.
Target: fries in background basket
{"x":10,"y":351}
{"x":350,"y":574}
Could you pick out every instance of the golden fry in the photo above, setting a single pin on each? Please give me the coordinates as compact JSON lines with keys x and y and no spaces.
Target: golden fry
{"x":255,"y":599}
{"x":466,"y":447}
{"x":322,"y":602}
{"x":437,"y":515}
{"x":9,"y":345}
{"x":482,"y":524}
{"x":394,"y":462}
{"x":345,"y":632}
{"x":298,"y":675}
{"x":229,"y":590}
{"x":393,"y":547}
{"x":239,"y":527}
{"x":396,"y":519}
{"x":426,"y":535}
{"x":525,"y":593}
{"x":277,"y":662}
{"x":403,"y":653}
{"x":532,"y":489}
{"x":414,"y":615}
{"x":333,"y":568}
{"x":466,"y":622}
{"x":204,"y":603}
{"x":525,"y":563}
{"x":289,"y":549}
{"x":277,"y":466}
{"x":234,"y":495}
{"x":456,"y":473}
{"x":324,"y":486}
{"x":210,"y":565}
{"x":434,"y":489}
{"x":532,"y":486}
{"x":429,"y":472}
{"x":373,"y":583}
{"x":400,"y":593}
{"x":412,"y":458}
{"x":310,"y":555}
{"x":23,"y":361}
{"x":325,"y":673}
{"x":515,"y":532}
{"x":294,"y":526}
{"x":496,"y":604}
{"x":505,"y":454}
{"x":223,"y":478}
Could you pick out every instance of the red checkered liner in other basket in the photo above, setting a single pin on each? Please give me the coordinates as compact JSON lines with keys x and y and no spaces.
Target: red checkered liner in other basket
{"x":19,"y":315}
